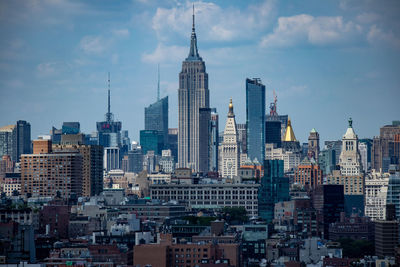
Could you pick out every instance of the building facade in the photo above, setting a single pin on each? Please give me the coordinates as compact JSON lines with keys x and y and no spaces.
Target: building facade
{"x":386,"y":147}
{"x":23,"y":138}
{"x":308,"y":173}
{"x":156,"y":117}
{"x":229,"y":149}
{"x":255,"y":119}
{"x":376,"y":186}
{"x":313,"y":145}
{"x":214,"y":141}
{"x":350,"y":159}
{"x":8,"y":141}
{"x":193,"y":94}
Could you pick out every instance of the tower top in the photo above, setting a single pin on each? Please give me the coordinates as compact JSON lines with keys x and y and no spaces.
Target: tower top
{"x":193,"y":52}
{"x":230,"y":113}
{"x":289,"y":134}
{"x":109,"y":115}
{"x":350,"y":123}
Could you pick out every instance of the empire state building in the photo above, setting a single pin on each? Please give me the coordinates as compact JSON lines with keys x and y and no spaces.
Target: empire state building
{"x":193,"y":95}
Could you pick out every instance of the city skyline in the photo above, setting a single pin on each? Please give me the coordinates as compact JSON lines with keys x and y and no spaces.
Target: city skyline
{"x":326,"y":61}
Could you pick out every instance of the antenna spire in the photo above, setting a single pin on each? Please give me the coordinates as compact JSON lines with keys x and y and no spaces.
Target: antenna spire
{"x":158,"y":85}
{"x":193,"y":19}
{"x":109,"y":116}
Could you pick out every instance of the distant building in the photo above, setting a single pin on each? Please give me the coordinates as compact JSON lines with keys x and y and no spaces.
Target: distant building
{"x":47,"y":173}
{"x":8,"y":141}
{"x":337,"y":147}
{"x":151,"y":140}
{"x":193,"y":94}
{"x":133,"y":161}
{"x":308,"y":173}
{"x":204,"y":148}
{"x":71,"y":128}
{"x":327,"y":160}
{"x":376,"y":188}
{"x":255,"y":119}
{"x":313,"y":145}
{"x":283,"y":119}
{"x":229,"y":148}
{"x":350,"y":159}
{"x":393,"y":192}
{"x":156,"y":118}
{"x":273,"y":132}
{"x":214,"y":140}
{"x":386,"y":237}
{"x":167,"y":162}
{"x":242,"y":135}
{"x":386,"y":147}
{"x":23,"y":136}
{"x":111,"y":158}
{"x":173,"y":142}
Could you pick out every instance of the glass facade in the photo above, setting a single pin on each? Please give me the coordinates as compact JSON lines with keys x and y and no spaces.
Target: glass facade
{"x":156,"y":117}
{"x":151,"y":140}
{"x":273,"y":133}
{"x":255,"y":119}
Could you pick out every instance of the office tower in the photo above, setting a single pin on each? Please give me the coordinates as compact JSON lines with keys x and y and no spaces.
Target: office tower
{"x":274,"y":188}
{"x":23,"y":138}
{"x":214,"y":141}
{"x":92,"y":166}
{"x":393,"y":193}
{"x":273,"y":133}
{"x":368,"y":143}
{"x":151,"y":140}
{"x":229,"y":149}
{"x":387,"y":234}
{"x":255,"y":119}
{"x":55,"y":135}
{"x":337,"y":146}
{"x":111,"y":158}
{"x":363,"y":149}
{"x":125,"y":140}
{"x":173,"y":142}
{"x":8,"y":141}
{"x":71,"y":128}
{"x":308,"y":173}
{"x":48,"y":173}
{"x":328,"y":200}
{"x":376,"y":189}
{"x":386,"y":147}
{"x":204,"y":139}
{"x":350,"y":159}
{"x":156,"y":117}
{"x":109,"y":131}
{"x":274,"y":117}
{"x":327,"y":160}
{"x":133,"y":161}
{"x":242,"y":135}
{"x":193,"y":94}
{"x":167,"y":162}
{"x":313,"y":145}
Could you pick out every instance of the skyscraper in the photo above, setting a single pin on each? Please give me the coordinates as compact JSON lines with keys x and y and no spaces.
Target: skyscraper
{"x":313,"y":145}
{"x":214,"y":140}
{"x":204,"y":139}
{"x":156,"y":117}
{"x":23,"y":138}
{"x":273,"y":133}
{"x":109,"y":130}
{"x":229,"y":152}
{"x":350,"y":159}
{"x":255,"y":119}
{"x":8,"y":141}
{"x":193,"y":94}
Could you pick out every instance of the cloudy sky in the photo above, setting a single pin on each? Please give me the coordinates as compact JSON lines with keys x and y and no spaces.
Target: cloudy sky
{"x":326,"y":60}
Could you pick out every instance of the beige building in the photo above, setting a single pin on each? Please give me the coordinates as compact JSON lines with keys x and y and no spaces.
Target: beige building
{"x":229,"y":149}
{"x":352,"y":185}
{"x":350,"y":159}
{"x":376,"y":189}
{"x":291,"y":159}
{"x":45,"y":173}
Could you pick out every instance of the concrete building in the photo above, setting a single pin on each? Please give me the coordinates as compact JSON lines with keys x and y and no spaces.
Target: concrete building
{"x":214,"y":141}
{"x":363,"y":149}
{"x":92,"y":166}
{"x":313,"y":145}
{"x":47,"y":173}
{"x":111,"y":158}
{"x":167,"y":162}
{"x":255,"y":119}
{"x":386,"y":147}
{"x":133,"y":161}
{"x":352,"y":184}
{"x":229,"y":149}
{"x":291,"y":158}
{"x":350,"y":159}
{"x":204,"y":140}
{"x":376,"y":187}
{"x":193,"y":94}
{"x":308,"y":173}
{"x":8,"y":141}
{"x":210,"y":196}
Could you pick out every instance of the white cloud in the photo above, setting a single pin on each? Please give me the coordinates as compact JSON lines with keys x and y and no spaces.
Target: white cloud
{"x":121,"y":33}
{"x":305,"y":28}
{"x":377,"y":36}
{"x":213,"y":22}
{"x":164,"y":54}
{"x":94,"y":44}
{"x":46,"y":68}
{"x":367,"y":17}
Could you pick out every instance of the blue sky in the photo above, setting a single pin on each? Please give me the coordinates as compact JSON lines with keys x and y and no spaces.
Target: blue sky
{"x":326,"y":60}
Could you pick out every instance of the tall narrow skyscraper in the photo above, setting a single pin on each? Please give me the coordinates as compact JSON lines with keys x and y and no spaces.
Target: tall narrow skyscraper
{"x":193,"y":94}
{"x":255,"y":119}
{"x":156,"y":118}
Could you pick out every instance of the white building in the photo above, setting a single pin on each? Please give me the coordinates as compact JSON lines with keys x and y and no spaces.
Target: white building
{"x":363,"y":149}
{"x":111,"y":158}
{"x":376,"y":188}
{"x":229,"y":149}
{"x":291,"y":159}
{"x":166,"y":162}
{"x":350,"y":159}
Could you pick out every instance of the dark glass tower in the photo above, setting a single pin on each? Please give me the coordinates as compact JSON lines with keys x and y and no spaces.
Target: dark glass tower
{"x":214,"y":142}
{"x":23,"y":138}
{"x":156,"y":117}
{"x":273,"y":133}
{"x":193,"y":94}
{"x":255,"y":119}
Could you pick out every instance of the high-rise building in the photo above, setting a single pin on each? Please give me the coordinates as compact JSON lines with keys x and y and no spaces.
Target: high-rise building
{"x":8,"y":141}
{"x":337,"y":147}
{"x":156,"y":117}
{"x":350,"y":159}
{"x":327,"y":160}
{"x":111,"y":158}
{"x":255,"y":119}
{"x":204,"y":139}
{"x":274,"y":117}
{"x":133,"y":161}
{"x":92,"y":166}
{"x":242,"y":135}
{"x":23,"y":138}
{"x":151,"y":140}
{"x":214,"y":140}
{"x":386,"y":147}
{"x":363,"y":149}
{"x":193,"y":94}
{"x":274,"y":188}
{"x":393,"y":193}
{"x":173,"y":142}
{"x":48,"y":173}
{"x":229,"y":149}
{"x":71,"y":128}
{"x":313,"y":145}
{"x":308,"y":173}
{"x":109,"y":131}
{"x":376,"y":189}
{"x":273,"y":131}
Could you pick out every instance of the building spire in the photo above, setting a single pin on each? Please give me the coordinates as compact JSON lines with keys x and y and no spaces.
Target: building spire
{"x":230,"y":113}
{"x":109,"y":116}
{"x":193,"y":52}
{"x":158,"y":84}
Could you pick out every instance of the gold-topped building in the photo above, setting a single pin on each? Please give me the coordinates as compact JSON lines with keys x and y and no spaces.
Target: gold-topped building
{"x":289,"y":134}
